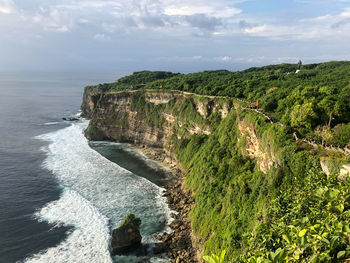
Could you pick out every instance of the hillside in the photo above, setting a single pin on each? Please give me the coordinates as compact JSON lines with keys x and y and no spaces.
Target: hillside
{"x":260,"y":191}
{"x":315,"y":102}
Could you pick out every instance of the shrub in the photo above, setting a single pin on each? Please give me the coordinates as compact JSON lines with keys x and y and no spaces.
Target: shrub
{"x":131,"y":219}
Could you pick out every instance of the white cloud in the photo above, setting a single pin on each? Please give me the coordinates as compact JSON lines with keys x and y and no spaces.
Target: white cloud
{"x":83,"y":21}
{"x":345,"y":13}
{"x":188,"y":10}
{"x":88,"y":4}
{"x":225,"y":58}
{"x":54,"y":20}
{"x":102,"y":38}
{"x":227,"y":32}
{"x":203,"y":17}
{"x":336,"y":26}
{"x":7,"y":7}
{"x":256,"y":29}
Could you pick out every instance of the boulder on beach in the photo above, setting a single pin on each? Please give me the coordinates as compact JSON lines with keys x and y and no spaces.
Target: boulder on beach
{"x":127,"y":237}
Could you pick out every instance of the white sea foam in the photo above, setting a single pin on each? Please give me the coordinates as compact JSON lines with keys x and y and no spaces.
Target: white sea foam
{"x":51,"y":123}
{"x":88,"y":241}
{"x":97,"y":190}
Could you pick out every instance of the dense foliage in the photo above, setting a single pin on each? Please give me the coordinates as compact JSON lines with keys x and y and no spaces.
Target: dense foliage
{"x":143,"y":77}
{"x":316,"y":98}
{"x":307,"y":225}
{"x":135,"y":81}
{"x":292,"y":213}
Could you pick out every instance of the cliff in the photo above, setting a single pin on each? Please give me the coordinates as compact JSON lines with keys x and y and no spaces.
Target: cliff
{"x":243,"y":169}
{"x":149,"y":118}
{"x":154,"y":118}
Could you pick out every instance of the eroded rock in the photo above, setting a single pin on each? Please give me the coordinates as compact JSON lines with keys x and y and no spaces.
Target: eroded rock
{"x":127,"y":237}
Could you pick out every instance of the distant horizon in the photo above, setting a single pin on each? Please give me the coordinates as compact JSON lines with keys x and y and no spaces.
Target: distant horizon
{"x":124,"y":73}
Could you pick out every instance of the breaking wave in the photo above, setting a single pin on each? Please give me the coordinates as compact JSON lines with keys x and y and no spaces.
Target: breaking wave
{"x":96,"y":197}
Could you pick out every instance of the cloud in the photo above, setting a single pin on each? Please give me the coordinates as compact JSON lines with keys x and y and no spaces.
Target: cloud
{"x":145,"y":14}
{"x":203,"y":21}
{"x":256,"y":29}
{"x":341,"y":23}
{"x":225,"y":58}
{"x":226,"y":31}
{"x":345,"y":13}
{"x":198,"y":58}
{"x":55,"y":20}
{"x":102,"y":38}
{"x":7,"y":7}
{"x":244,"y":24}
{"x":152,"y":21}
{"x":218,"y":8}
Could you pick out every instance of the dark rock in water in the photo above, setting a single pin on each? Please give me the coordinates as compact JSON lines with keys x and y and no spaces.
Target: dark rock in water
{"x":127,"y":237}
{"x":70,"y":119}
{"x":160,"y":248}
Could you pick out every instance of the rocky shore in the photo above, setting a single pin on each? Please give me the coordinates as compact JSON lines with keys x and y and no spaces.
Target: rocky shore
{"x":179,"y":244}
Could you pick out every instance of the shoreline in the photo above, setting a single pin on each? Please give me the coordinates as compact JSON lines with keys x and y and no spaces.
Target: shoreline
{"x":179,"y":245}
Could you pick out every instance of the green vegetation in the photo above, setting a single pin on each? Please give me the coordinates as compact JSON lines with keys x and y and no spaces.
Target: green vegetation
{"x":134,"y":81}
{"x":294,"y":213}
{"x":93,"y":131}
{"x":291,"y":213}
{"x":214,"y":258}
{"x":142,"y":77}
{"x":185,"y":111}
{"x":150,"y":112}
{"x":131,"y":219}
{"x":317,"y":98}
{"x":122,"y":122}
{"x":307,"y":225}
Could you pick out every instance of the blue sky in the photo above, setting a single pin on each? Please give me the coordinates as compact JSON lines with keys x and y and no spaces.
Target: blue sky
{"x":175,"y":35}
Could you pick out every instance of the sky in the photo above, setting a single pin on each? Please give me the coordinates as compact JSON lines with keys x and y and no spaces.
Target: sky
{"x":174,"y":35}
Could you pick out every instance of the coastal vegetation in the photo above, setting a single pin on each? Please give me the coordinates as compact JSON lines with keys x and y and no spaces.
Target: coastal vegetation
{"x":315,"y":101}
{"x":131,"y":219}
{"x":290,"y":211}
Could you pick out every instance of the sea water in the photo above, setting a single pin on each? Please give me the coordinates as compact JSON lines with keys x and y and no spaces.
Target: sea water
{"x":62,"y":195}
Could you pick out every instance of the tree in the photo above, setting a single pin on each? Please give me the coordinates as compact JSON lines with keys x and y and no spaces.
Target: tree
{"x":303,"y":115}
{"x":341,"y":134}
{"x":325,"y":133}
{"x":328,"y":106}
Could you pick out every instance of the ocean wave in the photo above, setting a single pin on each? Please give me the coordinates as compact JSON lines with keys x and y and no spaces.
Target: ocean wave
{"x":88,"y":242}
{"x":98,"y":195}
{"x":51,"y":123}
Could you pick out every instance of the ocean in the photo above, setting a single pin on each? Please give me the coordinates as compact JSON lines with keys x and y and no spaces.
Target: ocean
{"x":61,"y":195}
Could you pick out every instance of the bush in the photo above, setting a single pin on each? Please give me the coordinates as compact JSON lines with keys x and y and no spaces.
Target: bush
{"x":131,"y":219}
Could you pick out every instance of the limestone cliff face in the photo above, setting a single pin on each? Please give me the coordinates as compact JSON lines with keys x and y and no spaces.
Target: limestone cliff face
{"x":113,"y":117}
{"x":121,"y":117}
{"x":255,"y":149}
{"x":90,"y":99}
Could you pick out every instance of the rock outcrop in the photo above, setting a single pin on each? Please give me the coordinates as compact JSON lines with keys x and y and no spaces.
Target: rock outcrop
{"x":125,"y":238}
{"x":114,"y":117}
{"x":344,"y":172}
{"x":254,"y":148}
